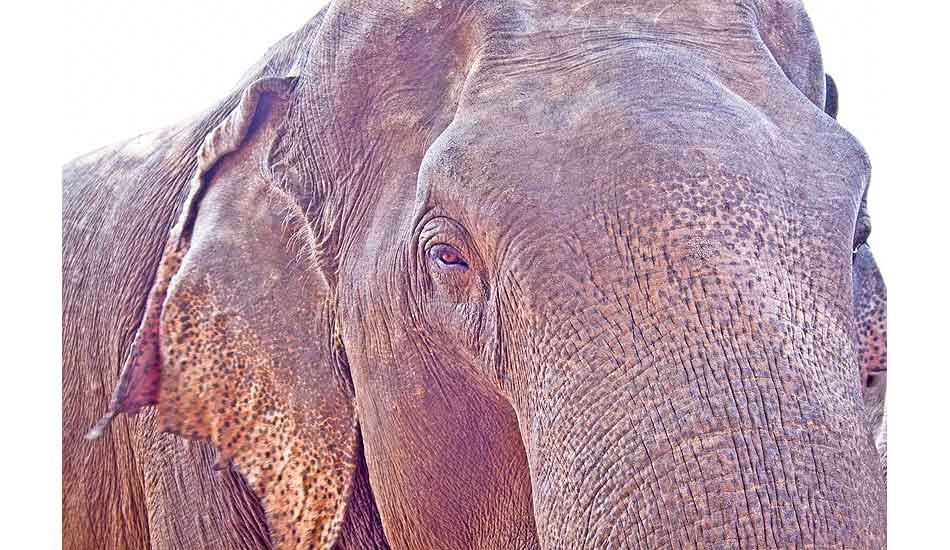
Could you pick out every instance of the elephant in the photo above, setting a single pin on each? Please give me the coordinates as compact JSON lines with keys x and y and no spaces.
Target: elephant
{"x":494,"y":274}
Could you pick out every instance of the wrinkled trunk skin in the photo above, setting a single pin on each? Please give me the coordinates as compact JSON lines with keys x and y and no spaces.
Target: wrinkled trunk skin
{"x":731,"y":421}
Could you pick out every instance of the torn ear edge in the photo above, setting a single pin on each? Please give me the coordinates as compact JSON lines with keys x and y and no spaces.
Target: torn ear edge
{"x":140,"y":379}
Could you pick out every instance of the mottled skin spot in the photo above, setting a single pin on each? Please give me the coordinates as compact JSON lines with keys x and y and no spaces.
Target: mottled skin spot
{"x":870,"y":302}
{"x":655,"y":340}
{"x":219,"y":383}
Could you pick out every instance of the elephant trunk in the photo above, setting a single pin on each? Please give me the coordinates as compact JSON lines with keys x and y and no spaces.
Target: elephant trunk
{"x":723,"y":431}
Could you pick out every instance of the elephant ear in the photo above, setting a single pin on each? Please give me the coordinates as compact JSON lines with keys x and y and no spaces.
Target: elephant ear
{"x":831,"y":97}
{"x":238,"y":345}
{"x":870,"y":302}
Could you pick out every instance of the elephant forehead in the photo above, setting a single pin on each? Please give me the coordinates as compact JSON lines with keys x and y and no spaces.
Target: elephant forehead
{"x":590,"y":122}
{"x":628,"y":143}
{"x":558,"y":151}
{"x":607,"y":111}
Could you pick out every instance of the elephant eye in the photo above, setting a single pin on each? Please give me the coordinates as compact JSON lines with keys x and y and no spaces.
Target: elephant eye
{"x":447,"y":256}
{"x":861,"y":232}
{"x":862,"y":227}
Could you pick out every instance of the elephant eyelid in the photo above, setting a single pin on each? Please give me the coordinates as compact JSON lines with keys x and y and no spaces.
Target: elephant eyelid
{"x":447,"y":256}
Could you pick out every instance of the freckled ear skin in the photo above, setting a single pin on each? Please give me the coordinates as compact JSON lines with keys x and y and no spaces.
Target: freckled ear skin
{"x":237,"y":343}
{"x":870,"y":300}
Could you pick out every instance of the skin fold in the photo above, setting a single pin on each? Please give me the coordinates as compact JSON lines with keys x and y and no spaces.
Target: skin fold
{"x":484,"y":275}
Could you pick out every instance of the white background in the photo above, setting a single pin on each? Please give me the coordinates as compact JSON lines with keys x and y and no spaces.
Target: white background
{"x":130,"y":67}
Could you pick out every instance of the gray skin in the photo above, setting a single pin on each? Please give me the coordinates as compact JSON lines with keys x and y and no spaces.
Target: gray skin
{"x":480,"y":275}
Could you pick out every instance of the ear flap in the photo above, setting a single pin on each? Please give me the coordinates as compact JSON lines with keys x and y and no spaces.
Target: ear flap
{"x":870,"y":303}
{"x":831,"y":97}
{"x":238,"y":342}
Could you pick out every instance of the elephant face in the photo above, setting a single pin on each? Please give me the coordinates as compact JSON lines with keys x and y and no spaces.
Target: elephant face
{"x":576,"y":279}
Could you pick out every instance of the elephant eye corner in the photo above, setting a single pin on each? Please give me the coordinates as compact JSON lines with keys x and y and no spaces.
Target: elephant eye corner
{"x":447,"y":257}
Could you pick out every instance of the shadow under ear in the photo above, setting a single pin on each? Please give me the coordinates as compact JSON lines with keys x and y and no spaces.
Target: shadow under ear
{"x":237,"y":344}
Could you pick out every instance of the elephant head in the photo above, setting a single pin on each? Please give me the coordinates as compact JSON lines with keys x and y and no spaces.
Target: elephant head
{"x":577,"y":274}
